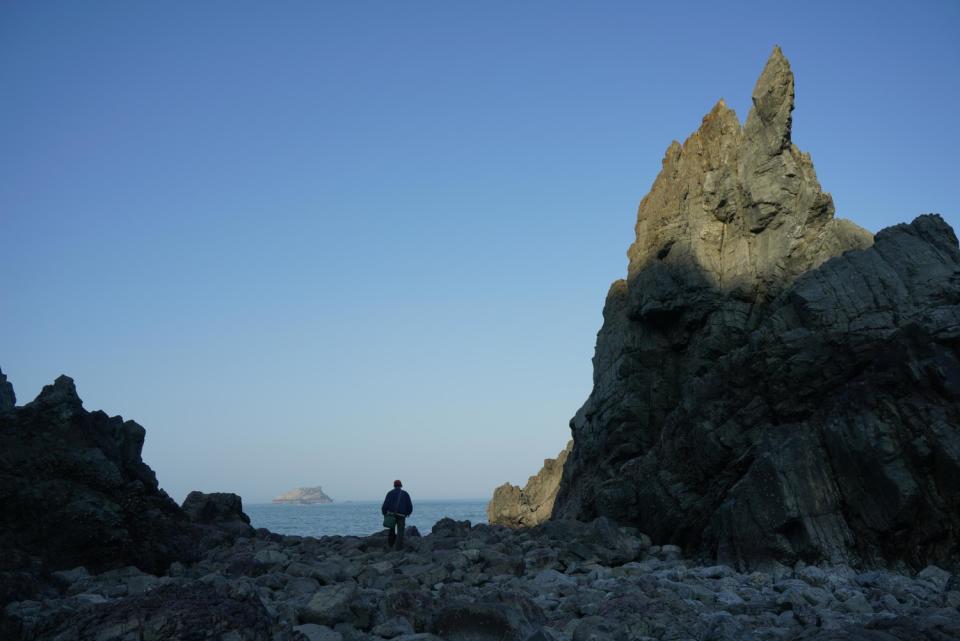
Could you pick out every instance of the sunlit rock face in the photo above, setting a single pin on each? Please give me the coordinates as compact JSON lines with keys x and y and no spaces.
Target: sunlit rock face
{"x":770,"y":382}
{"x":532,"y":504}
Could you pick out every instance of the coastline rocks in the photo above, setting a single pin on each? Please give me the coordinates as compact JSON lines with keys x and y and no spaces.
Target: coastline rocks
{"x":76,"y":492}
{"x":354,"y":588}
{"x":304,"y":496}
{"x":532,"y":505}
{"x":188,"y":610}
{"x":222,"y":510}
{"x":772,"y":384}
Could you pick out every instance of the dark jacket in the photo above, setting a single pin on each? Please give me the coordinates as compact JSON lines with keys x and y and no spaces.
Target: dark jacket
{"x":397,"y":501}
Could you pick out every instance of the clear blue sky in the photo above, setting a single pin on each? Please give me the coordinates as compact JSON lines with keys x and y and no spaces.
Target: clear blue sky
{"x":337,"y":243}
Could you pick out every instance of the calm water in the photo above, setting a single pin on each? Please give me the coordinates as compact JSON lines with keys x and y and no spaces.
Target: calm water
{"x":357,"y":517}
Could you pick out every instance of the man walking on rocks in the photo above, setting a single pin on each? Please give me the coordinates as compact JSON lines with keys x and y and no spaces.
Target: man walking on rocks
{"x":397,"y":504}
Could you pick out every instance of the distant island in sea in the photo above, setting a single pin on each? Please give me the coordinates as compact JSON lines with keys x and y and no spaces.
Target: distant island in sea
{"x":304,"y":496}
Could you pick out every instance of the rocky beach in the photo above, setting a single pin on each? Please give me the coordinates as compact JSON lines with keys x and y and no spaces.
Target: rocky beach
{"x":563,"y":580}
{"x":771,"y":451}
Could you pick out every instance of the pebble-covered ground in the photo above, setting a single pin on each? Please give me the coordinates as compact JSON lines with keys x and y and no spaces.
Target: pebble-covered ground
{"x":561,"y":581}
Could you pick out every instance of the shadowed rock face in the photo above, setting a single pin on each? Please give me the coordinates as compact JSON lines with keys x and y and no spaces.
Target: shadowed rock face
{"x":223,"y":510}
{"x":767,"y":384}
{"x":7,"y":398}
{"x":75,"y":491}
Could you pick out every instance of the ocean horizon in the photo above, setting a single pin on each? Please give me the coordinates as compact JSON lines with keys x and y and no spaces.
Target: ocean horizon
{"x":358,"y":517}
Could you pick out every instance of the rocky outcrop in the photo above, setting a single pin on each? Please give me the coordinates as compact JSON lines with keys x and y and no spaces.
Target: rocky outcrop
{"x":769,"y":382}
{"x":304,"y":496}
{"x":533,"y":504}
{"x":8,"y":399}
{"x":222,"y":510}
{"x":75,"y":492}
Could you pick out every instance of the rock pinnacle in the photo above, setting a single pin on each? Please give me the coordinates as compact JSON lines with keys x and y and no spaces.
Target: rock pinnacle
{"x":769,"y":122}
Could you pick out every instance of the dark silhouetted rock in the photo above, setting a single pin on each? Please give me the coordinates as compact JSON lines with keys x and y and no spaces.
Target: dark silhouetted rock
{"x":223,"y":510}
{"x":772,"y":383}
{"x":75,"y":491}
{"x":191,"y":612}
{"x":505,"y":619}
{"x":8,"y":400}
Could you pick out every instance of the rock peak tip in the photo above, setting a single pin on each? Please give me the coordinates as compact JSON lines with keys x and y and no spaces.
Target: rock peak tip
{"x":770,"y":122}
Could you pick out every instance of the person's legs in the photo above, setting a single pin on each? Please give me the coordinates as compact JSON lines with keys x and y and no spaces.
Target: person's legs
{"x":391,"y":536}
{"x":401,"y":526}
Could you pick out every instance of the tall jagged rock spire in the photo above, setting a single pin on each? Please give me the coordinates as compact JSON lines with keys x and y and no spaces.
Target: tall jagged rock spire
{"x":770,"y":121}
{"x":751,"y":369}
{"x":736,"y":209}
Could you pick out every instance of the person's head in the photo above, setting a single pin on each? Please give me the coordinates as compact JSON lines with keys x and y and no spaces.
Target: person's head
{"x":397,"y":483}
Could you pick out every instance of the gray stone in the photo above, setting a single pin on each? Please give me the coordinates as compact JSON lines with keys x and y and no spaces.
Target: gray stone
{"x":670,"y":552}
{"x":382,"y":567}
{"x":314,"y":632}
{"x":302,"y":585}
{"x":223,"y":510}
{"x":935,"y":576}
{"x":91,"y":598}
{"x":728,"y":599}
{"x":72,"y":576}
{"x":270,"y":557}
{"x":551,"y":581}
{"x":715,"y":572}
{"x":813,"y":575}
{"x":330,"y":605}
{"x":855,"y":603}
{"x":393,"y":627}
{"x":503,"y":616}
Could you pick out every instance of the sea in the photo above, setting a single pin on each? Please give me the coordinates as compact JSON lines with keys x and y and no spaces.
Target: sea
{"x":357,"y":518}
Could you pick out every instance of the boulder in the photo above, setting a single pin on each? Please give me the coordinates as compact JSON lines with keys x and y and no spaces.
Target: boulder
{"x":314,"y":632}
{"x":330,"y":605}
{"x":481,"y":622}
{"x":222,"y":510}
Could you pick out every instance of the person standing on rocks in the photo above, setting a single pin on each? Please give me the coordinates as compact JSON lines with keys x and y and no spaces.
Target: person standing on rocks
{"x":396,"y":504}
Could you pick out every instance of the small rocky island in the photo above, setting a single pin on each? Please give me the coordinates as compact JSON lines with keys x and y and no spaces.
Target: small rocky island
{"x":304,"y":496}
